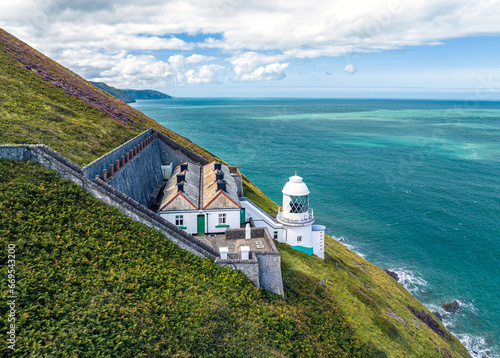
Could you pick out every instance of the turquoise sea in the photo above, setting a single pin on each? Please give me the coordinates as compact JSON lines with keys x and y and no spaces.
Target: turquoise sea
{"x":413,"y":186}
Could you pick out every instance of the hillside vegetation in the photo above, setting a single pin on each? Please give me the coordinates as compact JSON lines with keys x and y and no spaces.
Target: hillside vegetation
{"x":93,"y":283}
{"x":43,"y":102}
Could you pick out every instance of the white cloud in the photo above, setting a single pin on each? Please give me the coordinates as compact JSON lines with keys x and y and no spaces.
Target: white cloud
{"x":246,"y":67}
{"x":129,"y":71}
{"x":274,"y":71}
{"x":258,"y":36}
{"x":204,"y":74}
{"x":350,"y":69}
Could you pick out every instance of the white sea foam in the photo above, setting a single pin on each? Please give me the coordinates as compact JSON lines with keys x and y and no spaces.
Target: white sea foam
{"x":477,"y":346}
{"x":410,"y":280}
{"x":344,"y":241}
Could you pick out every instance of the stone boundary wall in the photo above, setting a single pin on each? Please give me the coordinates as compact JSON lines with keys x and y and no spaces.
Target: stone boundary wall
{"x":52,"y":160}
{"x":235,"y":234}
{"x":195,"y":158}
{"x":140,"y":176}
{"x":98,"y":165}
{"x":270,"y":267}
{"x":268,"y":263}
{"x":249,"y":267}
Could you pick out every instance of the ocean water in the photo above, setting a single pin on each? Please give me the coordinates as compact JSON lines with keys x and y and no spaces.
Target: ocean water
{"x":413,"y":186}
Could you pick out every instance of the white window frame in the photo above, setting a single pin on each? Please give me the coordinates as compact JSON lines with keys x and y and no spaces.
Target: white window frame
{"x":179,"y":220}
{"x":222,"y":219}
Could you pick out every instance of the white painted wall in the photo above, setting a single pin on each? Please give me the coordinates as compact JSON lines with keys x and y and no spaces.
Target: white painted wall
{"x":318,"y":237}
{"x":262,"y":219}
{"x":292,"y":232}
{"x":190,"y":220}
{"x":212,"y":220}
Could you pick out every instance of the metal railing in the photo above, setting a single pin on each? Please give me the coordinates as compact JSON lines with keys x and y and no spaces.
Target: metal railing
{"x":309,"y":217}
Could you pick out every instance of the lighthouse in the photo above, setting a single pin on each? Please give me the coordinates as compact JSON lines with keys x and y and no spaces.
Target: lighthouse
{"x":297,"y":219}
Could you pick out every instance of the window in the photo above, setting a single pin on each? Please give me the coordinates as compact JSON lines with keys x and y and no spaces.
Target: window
{"x":179,"y":220}
{"x":222,"y":219}
{"x":299,"y":204}
{"x":299,"y":238}
{"x":275,"y":235}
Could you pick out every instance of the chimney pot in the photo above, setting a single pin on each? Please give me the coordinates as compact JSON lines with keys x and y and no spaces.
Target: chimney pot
{"x":180,"y":186}
{"x":219,"y":175}
{"x":221,"y":185}
{"x":181,"y":177}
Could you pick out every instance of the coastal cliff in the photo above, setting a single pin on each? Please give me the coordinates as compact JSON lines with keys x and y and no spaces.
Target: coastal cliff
{"x":93,"y":282}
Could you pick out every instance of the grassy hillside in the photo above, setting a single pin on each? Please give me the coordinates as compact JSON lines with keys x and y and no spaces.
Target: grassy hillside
{"x":94,"y":283}
{"x":44,"y":102}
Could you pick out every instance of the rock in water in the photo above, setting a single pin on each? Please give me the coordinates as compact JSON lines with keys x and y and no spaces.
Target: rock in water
{"x":451,"y":307}
{"x":392,"y":274}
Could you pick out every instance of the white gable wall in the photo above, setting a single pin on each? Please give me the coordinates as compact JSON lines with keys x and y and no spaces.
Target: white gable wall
{"x":190,"y":219}
{"x":212,"y":220}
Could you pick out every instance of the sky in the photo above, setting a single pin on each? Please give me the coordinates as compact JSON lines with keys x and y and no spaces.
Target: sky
{"x":434,"y":49}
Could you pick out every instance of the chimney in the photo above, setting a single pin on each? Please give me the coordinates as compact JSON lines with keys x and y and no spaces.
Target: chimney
{"x":245,"y":252}
{"x":221,"y":185}
{"x":219,"y":175}
{"x":184,"y":166}
{"x":223,"y":252}
{"x":217,"y":165}
{"x":248,"y":232}
{"x":181,"y":177}
{"x":180,"y":186}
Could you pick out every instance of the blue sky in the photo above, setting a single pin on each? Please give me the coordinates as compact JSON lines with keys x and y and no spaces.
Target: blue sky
{"x":256,"y":48}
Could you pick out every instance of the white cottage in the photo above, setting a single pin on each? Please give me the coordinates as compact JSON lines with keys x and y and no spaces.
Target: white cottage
{"x":203,"y":199}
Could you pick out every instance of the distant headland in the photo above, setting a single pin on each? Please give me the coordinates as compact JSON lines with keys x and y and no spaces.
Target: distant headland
{"x":130,"y":95}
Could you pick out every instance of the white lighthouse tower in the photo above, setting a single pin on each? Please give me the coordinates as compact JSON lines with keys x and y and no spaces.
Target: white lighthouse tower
{"x":297,"y":219}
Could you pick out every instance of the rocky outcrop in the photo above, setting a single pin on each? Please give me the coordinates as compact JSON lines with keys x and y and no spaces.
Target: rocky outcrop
{"x":431,"y":323}
{"x":451,"y":307}
{"x":392,"y":274}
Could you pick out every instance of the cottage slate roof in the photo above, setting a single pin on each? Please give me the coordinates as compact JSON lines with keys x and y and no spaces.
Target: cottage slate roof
{"x":200,"y":189}
{"x":189,"y":198}
{"x":210,"y":192}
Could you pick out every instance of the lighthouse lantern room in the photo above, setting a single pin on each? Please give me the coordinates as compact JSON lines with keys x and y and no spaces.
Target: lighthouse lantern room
{"x":297,"y":219}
